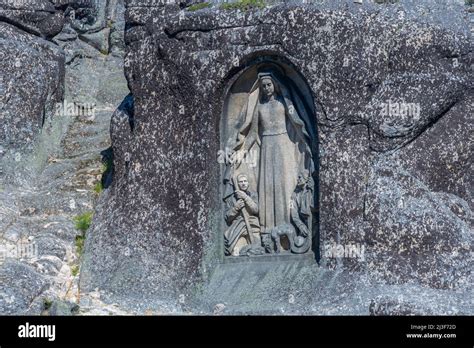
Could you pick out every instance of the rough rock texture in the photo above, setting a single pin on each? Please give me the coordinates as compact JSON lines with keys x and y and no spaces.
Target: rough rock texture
{"x":51,"y":163}
{"x":396,"y":183}
{"x":93,"y":42}
{"x":32,"y":81}
{"x":39,"y":39}
{"x":38,"y":17}
{"x":16,"y":298}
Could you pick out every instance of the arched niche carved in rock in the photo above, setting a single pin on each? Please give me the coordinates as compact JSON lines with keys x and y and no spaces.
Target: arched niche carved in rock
{"x":269,"y":157}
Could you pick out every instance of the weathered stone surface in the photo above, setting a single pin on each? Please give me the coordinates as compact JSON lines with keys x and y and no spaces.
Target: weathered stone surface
{"x":420,"y":201}
{"x":50,"y":162}
{"x":31,"y":84}
{"x":440,"y":157}
{"x":39,"y":17}
{"x":388,"y":306}
{"x":33,"y":70}
{"x":121,"y":132}
{"x":19,"y":286}
{"x":93,"y":42}
{"x":297,"y":288}
{"x":394,"y":182}
{"x":156,"y":233}
{"x":117,"y":21}
{"x":342,"y":215}
{"x":63,"y":308}
{"x":92,"y":29}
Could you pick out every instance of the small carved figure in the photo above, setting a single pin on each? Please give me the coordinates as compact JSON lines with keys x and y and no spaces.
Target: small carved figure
{"x":242,"y":219}
{"x":301,"y":212}
{"x":277,"y":232}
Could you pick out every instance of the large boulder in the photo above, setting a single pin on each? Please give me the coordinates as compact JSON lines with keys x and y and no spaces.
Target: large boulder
{"x":20,"y":285}
{"x":419,"y":206}
{"x":392,"y":85}
{"x":39,"y":17}
{"x":32,"y":84}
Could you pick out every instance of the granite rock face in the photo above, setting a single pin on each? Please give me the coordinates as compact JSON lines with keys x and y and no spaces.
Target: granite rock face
{"x":93,"y":42}
{"x":16,"y":297}
{"x":392,"y":86}
{"x":92,"y":28}
{"x":38,"y":17}
{"x":50,"y":161}
{"x":32,"y":82}
{"x":38,"y":39}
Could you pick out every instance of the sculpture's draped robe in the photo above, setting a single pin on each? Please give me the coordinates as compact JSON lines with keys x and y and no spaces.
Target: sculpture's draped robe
{"x":279,"y":128}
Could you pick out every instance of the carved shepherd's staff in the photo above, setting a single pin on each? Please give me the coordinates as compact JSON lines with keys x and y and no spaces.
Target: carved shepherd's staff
{"x":245,"y":214}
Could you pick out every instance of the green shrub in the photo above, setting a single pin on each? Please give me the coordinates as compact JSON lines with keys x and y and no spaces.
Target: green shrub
{"x":98,"y":187}
{"x":83,"y":221}
{"x":199,"y":6}
{"x":79,"y":242}
{"x":243,"y":5}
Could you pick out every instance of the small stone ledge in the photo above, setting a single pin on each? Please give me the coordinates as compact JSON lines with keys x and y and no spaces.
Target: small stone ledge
{"x":308,"y":258}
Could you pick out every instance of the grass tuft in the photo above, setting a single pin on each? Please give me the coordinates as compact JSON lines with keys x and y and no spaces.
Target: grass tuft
{"x":199,"y":6}
{"x":243,"y":5}
{"x":79,"y":242}
{"x":98,"y":187}
{"x":83,"y":221}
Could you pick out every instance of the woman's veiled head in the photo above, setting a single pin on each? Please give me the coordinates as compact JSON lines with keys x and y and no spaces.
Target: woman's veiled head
{"x":268,"y":85}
